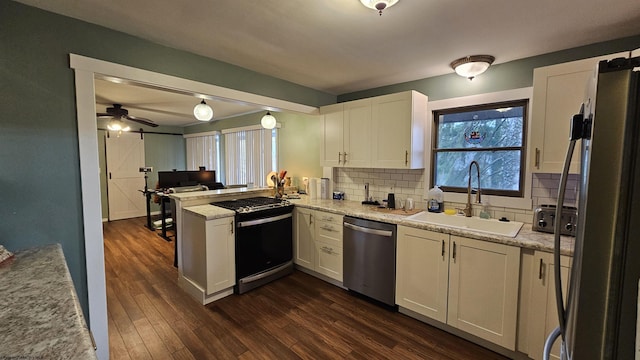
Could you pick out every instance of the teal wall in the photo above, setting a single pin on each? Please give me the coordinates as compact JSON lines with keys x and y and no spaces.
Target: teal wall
{"x":39,"y":161}
{"x":511,"y":75}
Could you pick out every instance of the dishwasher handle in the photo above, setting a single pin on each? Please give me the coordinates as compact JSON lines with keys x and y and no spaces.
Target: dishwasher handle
{"x":385,"y":233}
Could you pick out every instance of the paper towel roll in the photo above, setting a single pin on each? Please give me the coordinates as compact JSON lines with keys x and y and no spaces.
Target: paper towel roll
{"x":314,"y":184}
{"x":324,"y":188}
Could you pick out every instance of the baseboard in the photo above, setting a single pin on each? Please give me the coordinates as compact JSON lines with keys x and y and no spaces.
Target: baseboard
{"x":474,"y":339}
{"x":320,"y":276}
{"x":198,"y":293}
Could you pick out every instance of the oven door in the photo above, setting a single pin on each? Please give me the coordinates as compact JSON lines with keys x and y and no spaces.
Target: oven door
{"x":263,"y":243}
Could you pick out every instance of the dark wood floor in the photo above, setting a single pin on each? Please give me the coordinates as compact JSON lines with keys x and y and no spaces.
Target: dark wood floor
{"x":297,"y":317}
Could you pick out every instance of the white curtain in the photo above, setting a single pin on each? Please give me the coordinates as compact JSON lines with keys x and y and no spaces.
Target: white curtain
{"x":249,"y":156}
{"x":202,"y":151}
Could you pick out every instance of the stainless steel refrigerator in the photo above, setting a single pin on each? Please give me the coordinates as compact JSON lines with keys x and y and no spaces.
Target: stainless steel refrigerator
{"x":600,"y":317}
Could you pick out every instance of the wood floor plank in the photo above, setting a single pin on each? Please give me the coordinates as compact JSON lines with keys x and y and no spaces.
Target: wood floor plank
{"x":117,"y":348}
{"x":296,"y":317}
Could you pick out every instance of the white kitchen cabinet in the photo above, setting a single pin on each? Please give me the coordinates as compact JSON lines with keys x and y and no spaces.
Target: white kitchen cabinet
{"x":328,"y":235}
{"x":543,"y":314}
{"x":357,"y":134}
{"x":329,"y":260}
{"x":422,"y":272}
{"x":398,"y":123}
{"x":331,"y":134}
{"x":208,"y":254}
{"x":318,"y":242}
{"x":304,"y":238}
{"x":468,"y":284}
{"x":558,"y":92}
{"x":379,"y":132}
{"x":483,"y":289}
{"x":346,"y":134}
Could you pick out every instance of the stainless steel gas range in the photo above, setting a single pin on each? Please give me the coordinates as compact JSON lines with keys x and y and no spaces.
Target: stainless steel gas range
{"x":264,"y":240}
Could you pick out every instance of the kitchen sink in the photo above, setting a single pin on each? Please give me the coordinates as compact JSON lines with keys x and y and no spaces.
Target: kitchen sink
{"x":474,"y":223}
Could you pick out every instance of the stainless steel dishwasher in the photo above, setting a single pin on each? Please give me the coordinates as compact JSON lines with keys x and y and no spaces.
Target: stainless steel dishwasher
{"x":369,"y":258}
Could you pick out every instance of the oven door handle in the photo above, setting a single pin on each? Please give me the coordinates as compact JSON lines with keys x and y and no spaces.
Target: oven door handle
{"x":263,"y":221}
{"x":385,"y":233}
{"x":263,"y":275}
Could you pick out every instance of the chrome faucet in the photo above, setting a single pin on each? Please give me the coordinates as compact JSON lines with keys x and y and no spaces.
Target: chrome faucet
{"x":468,"y":209}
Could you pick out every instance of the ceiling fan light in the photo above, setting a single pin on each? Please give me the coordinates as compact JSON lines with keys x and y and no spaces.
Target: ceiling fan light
{"x":378,"y":5}
{"x":472,"y":66}
{"x":268,"y":121}
{"x":117,"y":125}
{"x":202,"y":111}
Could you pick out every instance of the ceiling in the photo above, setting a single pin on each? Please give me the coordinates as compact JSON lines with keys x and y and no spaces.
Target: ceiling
{"x":340,"y":46}
{"x":163,"y":107}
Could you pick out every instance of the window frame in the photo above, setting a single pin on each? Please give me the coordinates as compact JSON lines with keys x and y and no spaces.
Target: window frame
{"x":525,"y":103}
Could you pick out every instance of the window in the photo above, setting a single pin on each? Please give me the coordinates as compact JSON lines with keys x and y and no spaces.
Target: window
{"x":492,"y":135}
{"x":250,"y":155}
{"x":204,"y":151}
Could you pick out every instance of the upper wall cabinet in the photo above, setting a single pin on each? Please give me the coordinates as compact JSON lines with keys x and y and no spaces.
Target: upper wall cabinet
{"x":558,"y":92}
{"x":398,"y":130}
{"x":346,"y":134}
{"x":381,"y":132}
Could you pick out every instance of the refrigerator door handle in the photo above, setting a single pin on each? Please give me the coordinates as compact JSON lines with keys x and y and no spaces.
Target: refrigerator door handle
{"x":562,"y":315}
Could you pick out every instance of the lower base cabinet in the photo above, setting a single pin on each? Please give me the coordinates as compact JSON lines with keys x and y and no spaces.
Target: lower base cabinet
{"x":208,"y":257}
{"x":543,"y":315}
{"x":318,"y":242}
{"x":469,"y":284}
{"x":422,"y":272}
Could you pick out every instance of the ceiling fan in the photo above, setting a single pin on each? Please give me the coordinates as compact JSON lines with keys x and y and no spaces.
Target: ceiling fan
{"x":118,"y":112}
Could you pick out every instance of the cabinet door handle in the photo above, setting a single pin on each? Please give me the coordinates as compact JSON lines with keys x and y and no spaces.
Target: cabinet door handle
{"x":310,"y":219}
{"x":540,"y":270}
{"x":339,"y":157}
{"x":232,"y":227}
{"x":537,"y":158}
{"x":406,"y":157}
{"x":328,"y":250}
{"x":454,"y":250}
{"x":442,"y":249}
{"x":345,"y":158}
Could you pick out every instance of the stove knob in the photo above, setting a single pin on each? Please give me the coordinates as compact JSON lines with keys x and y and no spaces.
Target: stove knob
{"x":542,"y":223}
{"x":569,"y":226}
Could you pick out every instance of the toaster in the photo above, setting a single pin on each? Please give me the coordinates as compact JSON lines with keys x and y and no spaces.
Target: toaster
{"x":544,"y":219}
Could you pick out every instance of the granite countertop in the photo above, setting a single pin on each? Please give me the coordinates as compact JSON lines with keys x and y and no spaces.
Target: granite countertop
{"x":526,"y":238}
{"x":209,"y":212}
{"x":243,"y":192}
{"x":40,"y":315}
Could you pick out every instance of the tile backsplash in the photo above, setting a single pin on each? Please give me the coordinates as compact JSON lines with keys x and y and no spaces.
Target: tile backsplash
{"x":410,"y":184}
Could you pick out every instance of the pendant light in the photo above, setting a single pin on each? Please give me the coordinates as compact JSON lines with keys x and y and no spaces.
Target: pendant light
{"x":472,"y":66}
{"x":202,"y":111}
{"x":268,"y":121}
{"x":378,"y":5}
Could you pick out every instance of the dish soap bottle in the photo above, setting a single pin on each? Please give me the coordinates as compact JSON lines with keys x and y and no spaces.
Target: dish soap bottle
{"x":435,"y":199}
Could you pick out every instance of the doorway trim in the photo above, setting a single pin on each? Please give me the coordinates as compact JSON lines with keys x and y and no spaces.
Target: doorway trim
{"x":86,"y":70}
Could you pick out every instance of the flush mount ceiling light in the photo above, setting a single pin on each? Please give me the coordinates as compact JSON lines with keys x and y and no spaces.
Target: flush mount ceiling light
{"x":203,"y":112}
{"x":472,"y":66}
{"x":268,"y":121}
{"x":378,"y":5}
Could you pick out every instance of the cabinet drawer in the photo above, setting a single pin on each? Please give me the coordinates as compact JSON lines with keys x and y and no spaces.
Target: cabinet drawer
{"x":330,"y":233}
{"x":329,"y":218}
{"x":329,"y":260}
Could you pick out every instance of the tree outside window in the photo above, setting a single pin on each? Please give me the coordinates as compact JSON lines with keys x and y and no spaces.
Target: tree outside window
{"x":492,"y":135}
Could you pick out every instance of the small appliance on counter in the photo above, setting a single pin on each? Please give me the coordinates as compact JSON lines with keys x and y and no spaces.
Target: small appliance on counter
{"x":435,"y":200}
{"x":544,"y":219}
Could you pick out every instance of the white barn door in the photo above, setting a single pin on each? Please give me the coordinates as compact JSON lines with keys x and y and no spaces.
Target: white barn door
{"x":125,"y":157}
